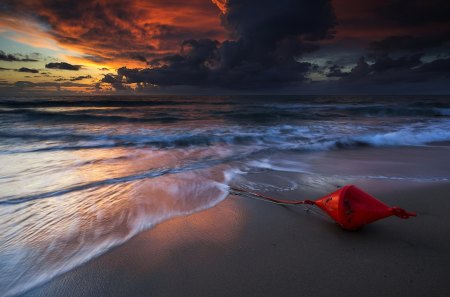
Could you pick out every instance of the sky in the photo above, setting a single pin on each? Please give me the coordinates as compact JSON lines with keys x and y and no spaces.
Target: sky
{"x":224,"y":47}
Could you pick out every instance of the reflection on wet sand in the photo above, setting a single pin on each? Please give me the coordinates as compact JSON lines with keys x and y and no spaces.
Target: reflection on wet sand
{"x":44,"y":237}
{"x":218,"y":229}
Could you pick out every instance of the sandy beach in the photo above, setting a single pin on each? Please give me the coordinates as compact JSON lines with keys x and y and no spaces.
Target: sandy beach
{"x":246,"y":247}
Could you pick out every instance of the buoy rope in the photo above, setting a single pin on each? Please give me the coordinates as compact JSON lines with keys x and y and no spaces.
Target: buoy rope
{"x":242,"y":192}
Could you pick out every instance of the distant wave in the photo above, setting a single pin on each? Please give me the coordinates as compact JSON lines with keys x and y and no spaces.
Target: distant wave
{"x":177,"y":110}
{"x":283,"y":137}
{"x":83,"y":116}
{"x":385,"y":110}
{"x":86,"y":103}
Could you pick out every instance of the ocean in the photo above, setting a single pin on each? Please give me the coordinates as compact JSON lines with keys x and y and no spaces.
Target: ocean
{"x":81,"y":175}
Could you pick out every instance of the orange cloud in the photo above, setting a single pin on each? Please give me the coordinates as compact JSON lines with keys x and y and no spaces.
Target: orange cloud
{"x":221,"y":4}
{"x":113,"y":32}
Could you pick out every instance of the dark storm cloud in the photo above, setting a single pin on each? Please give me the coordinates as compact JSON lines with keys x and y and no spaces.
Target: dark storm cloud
{"x":63,"y":66}
{"x":387,"y":70}
{"x":405,"y":45}
{"x":24,"y":69}
{"x":81,"y":77}
{"x":192,"y":65}
{"x":262,"y":55}
{"x":17,"y":57}
{"x":439,"y":66}
{"x":411,"y":43}
{"x":74,"y":78}
{"x":336,"y":71}
{"x":110,"y":78}
{"x":114,"y":80}
{"x":385,"y":63}
{"x":420,"y":25}
{"x":374,"y":16}
{"x":30,"y":84}
{"x":415,"y":13}
{"x":265,"y":22}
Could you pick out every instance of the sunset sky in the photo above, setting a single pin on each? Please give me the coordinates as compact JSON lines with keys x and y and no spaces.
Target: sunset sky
{"x":224,"y":46}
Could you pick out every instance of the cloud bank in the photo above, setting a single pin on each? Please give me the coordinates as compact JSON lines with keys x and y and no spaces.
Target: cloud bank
{"x":242,"y":45}
{"x":263,"y":53}
{"x":63,"y":66}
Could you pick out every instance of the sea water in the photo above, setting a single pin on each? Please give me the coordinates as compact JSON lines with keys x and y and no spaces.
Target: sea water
{"x":80,"y":175}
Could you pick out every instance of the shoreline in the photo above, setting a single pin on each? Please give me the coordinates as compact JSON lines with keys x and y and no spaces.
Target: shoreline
{"x":245,"y":247}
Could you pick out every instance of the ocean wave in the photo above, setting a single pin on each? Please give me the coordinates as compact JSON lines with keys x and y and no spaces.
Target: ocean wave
{"x":383,"y":110}
{"x":192,"y":165}
{"x":85,"y":116}
{"x":282,"y":137}
{"x":305,"y":168}
{"x":89,"y":102}
{"x":61,"y":242}
{"x":178,"y":110}
{"x":406,"y":136}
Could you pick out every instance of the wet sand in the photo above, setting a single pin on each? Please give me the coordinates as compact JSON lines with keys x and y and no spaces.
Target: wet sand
{"x":246,"y":247}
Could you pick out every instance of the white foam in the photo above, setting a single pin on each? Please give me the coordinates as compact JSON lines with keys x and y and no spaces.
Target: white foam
{"x":406,"y":136}
{"x":24,"y":266}
{"x":280,"y":165}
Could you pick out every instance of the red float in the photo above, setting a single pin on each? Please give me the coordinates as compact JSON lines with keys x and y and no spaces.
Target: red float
{"x":353,"y":208}
{"x":349,"y":206}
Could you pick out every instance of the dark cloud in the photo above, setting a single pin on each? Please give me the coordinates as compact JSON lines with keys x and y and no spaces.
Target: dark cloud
{"x":46,"y":74}
{"x":385,"y":63}
{"x":405,"y":46}
{"x":24,"y":69}
{"x":138,"y":57}
{"x":17,"y":57}
{"x":81,"y":77}
{"x":103,"y":69}
{"x":263,"y":54}
{"x":63,"y":66}
{"x":336,"y":71}
{"x":389,"y":71}
{"x":115,"y":81}
{"x":278,"y":20}
{"x":439,"y":66}
{"x":411,"y":43}
{"x":74,"y":78}
{"x":372,"y":17}
{"x":28,"y":84}
{"x":415,"y":13}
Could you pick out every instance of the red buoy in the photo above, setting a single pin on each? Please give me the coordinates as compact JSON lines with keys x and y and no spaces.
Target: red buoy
{"x":349,"y":206}
{"x":353,"y":208}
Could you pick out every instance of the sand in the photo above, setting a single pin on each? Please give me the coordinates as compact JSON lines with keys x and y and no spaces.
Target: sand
{"x":246,"y":247}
